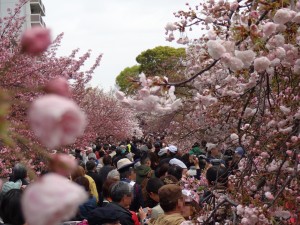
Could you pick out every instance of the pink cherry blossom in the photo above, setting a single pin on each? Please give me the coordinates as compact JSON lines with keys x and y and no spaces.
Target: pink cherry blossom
{"x":35,"y":40}
{"x":170,"y":27}
{"x":215,"y":49}
{"x":285,"y":109}
{"x":289,"y":152}
{"x":261,"y":64}
{"x":59,"y":86}
{"x":56,"y":120}
{"x":51,"y":200}
{"x":247,"y":57}
{"x":283,"y":16}
{"x":269,"y":195}
{"x":269,"y":28}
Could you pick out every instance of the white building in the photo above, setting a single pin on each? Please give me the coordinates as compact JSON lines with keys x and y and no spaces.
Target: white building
{"x":33,"y":11}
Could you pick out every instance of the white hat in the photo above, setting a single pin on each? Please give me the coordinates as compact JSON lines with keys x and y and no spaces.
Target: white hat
{"x":210,"y":146}
{"x":178,"y":163}
{"x":123,"y":163}
{"x":163,"y":151}
{"x":172,"y":148}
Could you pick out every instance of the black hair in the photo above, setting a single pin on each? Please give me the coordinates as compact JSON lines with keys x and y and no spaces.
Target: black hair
{"x":176,"y":171}
{"x":106,"y":147}
{"x":217,"y":174}
{"x":125,"y":173}
{"x":107,"y":160}
{"x":196,"y":144}
{"x":153,"y":185}
{"x":10,"y":207}
{"x":101,"y":153}
{"x":161,"y":170}
{"x":19,"y":172}
{"x":112,"y":148}
{"x":90,"y":165}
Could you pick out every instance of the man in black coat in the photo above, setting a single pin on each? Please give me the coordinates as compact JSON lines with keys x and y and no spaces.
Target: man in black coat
{"x":121,"y":195}
{"x":91,"y":171}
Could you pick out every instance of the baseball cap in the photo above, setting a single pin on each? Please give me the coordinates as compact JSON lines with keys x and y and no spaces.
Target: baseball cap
{"x":172,"y":148}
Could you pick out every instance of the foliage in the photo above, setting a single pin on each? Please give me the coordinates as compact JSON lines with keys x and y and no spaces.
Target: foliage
{"x":161,"y":61}
{"x":126,"y":79}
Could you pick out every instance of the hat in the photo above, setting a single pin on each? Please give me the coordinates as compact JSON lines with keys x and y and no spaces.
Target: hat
{"x":210,"y":146}
{"x":172,"y":148}
{"x":169,"y":193}
{"x":240,"y":151}
{"x":124,"y":163}
{"x":9,"y":185}
{"x":178,"y":163}
{"x":163,"y":151}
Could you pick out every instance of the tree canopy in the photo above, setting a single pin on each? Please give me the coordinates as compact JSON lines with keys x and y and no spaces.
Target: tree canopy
{"x":160,"y":61}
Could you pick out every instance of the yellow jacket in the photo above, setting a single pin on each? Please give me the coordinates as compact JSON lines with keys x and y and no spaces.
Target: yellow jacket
{"x":92,"y":187}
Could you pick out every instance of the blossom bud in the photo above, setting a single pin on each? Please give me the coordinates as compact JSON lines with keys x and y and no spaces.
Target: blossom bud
{"x":36,"y":40}
{"x":59,"y":86}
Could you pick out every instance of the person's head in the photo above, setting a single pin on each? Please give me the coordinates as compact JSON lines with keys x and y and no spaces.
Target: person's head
{"x":157,"y":146}
{"x":240,"y":152}
{"x":108,"y":183}
{"x":214,"y":151}
{"x":101,"y":154}
{"x":19,"y":172}
{"x":78,"y":172}
{"x":153,"y":185}
{"x":172,"y":150}
{"x":107,"y":160}
{"x":196,"y":144}
{"x":145,"y":160}
{"x":128,"y":173}
{"x":114,"y":174}
{"x":112,"y":148}
{"x":121,"y":193}
{"x":90,"y":166}
{"x":162,"y":170}
{"x":105,"y":147}
{"x":83,"y":182}
{"x":10,"y":208}
{"x":175,"y":171}
{"x":217,"y":175}
{"x":171,"y":198}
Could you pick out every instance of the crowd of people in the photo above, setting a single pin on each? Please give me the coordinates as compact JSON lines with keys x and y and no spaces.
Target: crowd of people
{"x":137,"y":182}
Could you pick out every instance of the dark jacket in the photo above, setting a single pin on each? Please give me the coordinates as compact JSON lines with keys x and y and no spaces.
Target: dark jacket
{"x":104,"y":171}
{"x":137,"y":200}
{"x":86,"y":208}
{"x":112,"y":212}
{"x":98,"y":180}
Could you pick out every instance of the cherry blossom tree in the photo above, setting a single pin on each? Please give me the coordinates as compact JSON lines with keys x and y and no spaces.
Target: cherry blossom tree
{"x":244,"y":76}
{"x":26,"y":69}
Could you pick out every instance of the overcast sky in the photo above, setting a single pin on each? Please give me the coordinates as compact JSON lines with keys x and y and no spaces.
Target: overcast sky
{"x":120,"y":29}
